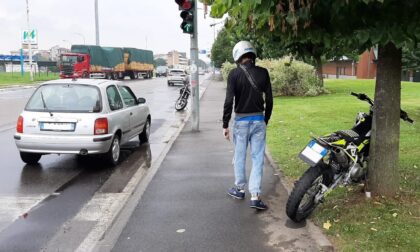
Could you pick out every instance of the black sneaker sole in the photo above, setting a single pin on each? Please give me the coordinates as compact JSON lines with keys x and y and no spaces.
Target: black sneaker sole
{"x":259,"y":208}
{"x":235,"y":197}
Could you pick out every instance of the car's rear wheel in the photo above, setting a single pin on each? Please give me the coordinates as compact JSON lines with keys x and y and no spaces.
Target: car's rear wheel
{"x":145,"y":134}
{"x":113,"y":154}
{"x":30,"y":158}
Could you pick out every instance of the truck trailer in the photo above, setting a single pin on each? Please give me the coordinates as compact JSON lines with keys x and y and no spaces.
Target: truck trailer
{"x":90,"y":61}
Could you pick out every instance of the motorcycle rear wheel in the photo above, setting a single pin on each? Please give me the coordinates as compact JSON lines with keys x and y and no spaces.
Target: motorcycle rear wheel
{"x":301,"y":202}
{"x":180,"y":104}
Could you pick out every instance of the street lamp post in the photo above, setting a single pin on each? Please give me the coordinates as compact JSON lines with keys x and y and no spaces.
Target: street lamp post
{"x":97,"y":22}
{"x":214,"y":38}
{"x":66,"y":41}
{"x":81,"y":35}
{"x":29,"y":42}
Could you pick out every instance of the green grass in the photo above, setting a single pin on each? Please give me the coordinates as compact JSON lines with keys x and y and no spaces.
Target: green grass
{"x":10,"y":79}
{"x":295,"y":119}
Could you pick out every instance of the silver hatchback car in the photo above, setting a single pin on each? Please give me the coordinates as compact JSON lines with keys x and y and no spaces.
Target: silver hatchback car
{"x":82,"y":117}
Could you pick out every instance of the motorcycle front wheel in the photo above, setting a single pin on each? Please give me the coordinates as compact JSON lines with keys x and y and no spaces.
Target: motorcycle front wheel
{"x":301,"y":202}
{"x":180,"y":104}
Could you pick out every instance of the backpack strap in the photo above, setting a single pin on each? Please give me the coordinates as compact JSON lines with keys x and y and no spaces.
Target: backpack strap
{"x":250,"y":79}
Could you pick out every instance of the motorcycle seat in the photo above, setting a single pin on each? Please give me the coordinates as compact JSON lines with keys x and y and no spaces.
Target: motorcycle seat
{"x":350,"y":136}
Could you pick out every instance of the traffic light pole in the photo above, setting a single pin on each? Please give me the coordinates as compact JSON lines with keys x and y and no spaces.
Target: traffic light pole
{"x":195,"y":86}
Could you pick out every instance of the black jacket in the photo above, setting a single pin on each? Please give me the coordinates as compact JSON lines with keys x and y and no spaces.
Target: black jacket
{"x":247,"y":99}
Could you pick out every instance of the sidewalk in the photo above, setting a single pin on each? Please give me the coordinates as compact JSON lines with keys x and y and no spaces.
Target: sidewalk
{"x":186,"y":208}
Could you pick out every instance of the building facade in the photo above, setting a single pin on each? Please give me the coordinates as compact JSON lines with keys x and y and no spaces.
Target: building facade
{"x":177,"y":60}
{"x":346,"y":68}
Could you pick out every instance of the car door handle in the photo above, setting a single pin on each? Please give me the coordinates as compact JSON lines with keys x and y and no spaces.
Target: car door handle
{"x":131,"y":113}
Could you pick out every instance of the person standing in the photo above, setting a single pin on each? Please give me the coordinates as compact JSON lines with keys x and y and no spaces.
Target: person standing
{"x":247,"y":84}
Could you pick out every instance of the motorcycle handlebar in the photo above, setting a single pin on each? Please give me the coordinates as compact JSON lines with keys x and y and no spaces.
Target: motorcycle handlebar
{"x":405,"y":117}
{"x":362,"y":97}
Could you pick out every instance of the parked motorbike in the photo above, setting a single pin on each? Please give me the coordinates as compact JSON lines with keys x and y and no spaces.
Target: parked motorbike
{"x":182,"y":101}
{"x":340,"y":158}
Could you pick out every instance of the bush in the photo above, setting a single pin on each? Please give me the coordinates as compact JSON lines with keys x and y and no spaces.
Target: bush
{"x":226,"y":68}
{"x":288,"y":77}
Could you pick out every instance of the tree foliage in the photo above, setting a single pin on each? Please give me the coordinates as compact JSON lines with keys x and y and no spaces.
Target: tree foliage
{"x":160,"y":62}
{"x":330,"y":27}
{"x":411,"y":58}
{"x":221,"y":50}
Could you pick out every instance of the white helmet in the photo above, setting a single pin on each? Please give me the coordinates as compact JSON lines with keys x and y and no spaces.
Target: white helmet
{"x":242,"y":48}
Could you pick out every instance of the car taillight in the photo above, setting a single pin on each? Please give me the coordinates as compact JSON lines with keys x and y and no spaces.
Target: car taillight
{"x":101,"y":126}
{"x":19,"y":125}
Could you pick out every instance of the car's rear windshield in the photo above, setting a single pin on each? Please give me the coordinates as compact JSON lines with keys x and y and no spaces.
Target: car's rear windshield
{"x":66,"y":98}
{"x":177,"y":71}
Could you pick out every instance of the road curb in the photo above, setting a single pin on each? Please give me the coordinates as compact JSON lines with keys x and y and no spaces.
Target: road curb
{"x":110,"y":235}
{"x":315,"y":232}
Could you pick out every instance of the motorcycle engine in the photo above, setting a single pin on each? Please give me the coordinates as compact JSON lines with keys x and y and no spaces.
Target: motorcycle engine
{"x":341,"y":161}
{"x":357,"y":172}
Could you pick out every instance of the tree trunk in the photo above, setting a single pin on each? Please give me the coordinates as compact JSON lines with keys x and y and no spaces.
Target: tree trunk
{"x":384,"y":147}
{"x":318,"y":68}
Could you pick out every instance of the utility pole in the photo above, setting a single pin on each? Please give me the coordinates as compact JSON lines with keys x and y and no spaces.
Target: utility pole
{"x":194,"y":74}
{"x":97,"y":22}
{"x":29,"y":42}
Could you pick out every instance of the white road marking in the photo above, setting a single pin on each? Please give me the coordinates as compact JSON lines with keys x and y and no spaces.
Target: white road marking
{"x":12,"y":207}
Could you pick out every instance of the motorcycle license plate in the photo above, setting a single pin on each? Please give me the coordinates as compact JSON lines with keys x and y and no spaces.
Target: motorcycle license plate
{"x":313,"y":153}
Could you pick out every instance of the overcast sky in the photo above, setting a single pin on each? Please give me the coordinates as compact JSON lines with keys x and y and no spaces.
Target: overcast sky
{"x":123,"y":23}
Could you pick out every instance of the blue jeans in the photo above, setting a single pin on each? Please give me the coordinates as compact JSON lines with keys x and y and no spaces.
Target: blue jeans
{"x":252,"y":132}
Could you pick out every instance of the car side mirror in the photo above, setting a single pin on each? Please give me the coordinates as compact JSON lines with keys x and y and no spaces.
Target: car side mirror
{"x":141,"y":100}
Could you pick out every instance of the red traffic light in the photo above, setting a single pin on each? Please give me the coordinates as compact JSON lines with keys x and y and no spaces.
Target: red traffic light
{"x":185,"y":4}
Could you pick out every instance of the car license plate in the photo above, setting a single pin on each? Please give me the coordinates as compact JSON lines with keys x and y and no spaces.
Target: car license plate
{"x":57,"y":126}
{"x":313,"y":153}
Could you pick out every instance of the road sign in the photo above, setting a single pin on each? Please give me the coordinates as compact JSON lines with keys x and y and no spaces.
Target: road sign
{"x":30,"y":36}
{"x":33,"y":46}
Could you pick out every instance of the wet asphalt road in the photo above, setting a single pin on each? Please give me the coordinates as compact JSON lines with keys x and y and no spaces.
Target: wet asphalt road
{"x":36,"y":200}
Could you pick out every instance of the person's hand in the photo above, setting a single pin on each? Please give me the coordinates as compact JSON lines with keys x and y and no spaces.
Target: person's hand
{"x":226,"y":134}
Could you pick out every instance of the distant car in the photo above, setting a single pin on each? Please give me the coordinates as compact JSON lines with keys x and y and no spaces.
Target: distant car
{"x":161,"y":71}
{"x":177,"y":76}
{"x":83,"y":117}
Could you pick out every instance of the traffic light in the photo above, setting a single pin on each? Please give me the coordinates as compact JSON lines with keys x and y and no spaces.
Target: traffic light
{"x":187,"y":15}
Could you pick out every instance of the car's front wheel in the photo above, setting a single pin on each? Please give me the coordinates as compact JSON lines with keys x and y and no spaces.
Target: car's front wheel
{"x":113,"y":154}
{"x":30,"y":158}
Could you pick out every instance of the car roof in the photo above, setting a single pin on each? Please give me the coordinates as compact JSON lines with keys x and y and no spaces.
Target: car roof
{"x":93,"y":82}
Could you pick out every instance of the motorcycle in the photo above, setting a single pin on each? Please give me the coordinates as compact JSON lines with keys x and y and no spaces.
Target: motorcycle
{"x":340,"y":158}
{"x":182,"y":100}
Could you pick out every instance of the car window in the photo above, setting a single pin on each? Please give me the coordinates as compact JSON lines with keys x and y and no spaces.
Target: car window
{"x":128,"y":96}
{"x":177,"y":72}
{"x":114,"y":98}
{"x":65,"y":98}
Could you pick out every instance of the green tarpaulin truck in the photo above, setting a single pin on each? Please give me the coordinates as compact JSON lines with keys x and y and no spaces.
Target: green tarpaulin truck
{"x":90,"y":61}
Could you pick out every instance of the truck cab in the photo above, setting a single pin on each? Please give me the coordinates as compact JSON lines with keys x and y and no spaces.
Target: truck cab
{"x":74,"y":65}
